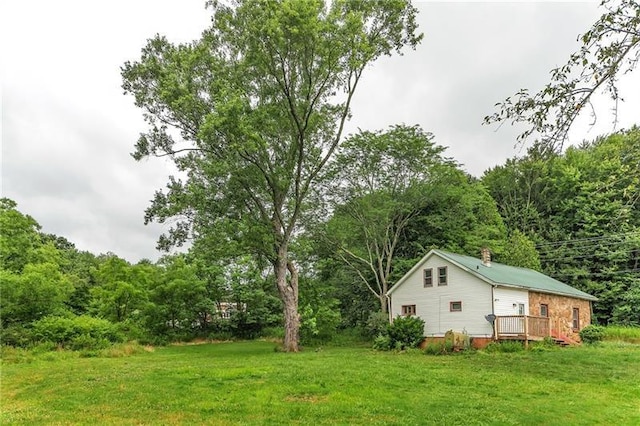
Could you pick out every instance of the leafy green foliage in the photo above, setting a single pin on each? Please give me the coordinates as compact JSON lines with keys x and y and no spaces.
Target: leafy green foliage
{"x":520,"y":251}
{"x":39,"y":290}
{"x":18,"y":237}
{"x":377,"y":323}
{"x":121,"y":291}
{"x":459,"y":216}
{"x":259,"y":103}
{"x":406,"y":332}
{"x":592,"y":334}
{"x":582,"y":209}
{"x":320,"y":324}
{"x":379,"y":182}
{"x":397,"y":206}
{"x":609,"y":49}
{"x":382,"y":342}
{"x":82,"y":332}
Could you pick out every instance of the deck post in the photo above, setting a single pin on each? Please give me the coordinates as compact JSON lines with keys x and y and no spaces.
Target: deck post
{"x":526,"y":331}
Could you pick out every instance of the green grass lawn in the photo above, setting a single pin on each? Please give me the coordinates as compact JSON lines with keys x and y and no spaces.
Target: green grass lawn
{"x":250,"y":383}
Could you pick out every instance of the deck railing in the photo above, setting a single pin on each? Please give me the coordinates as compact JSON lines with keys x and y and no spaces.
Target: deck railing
{"x":523,"y":327}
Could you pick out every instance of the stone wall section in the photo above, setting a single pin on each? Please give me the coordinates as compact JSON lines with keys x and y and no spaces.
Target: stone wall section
{"x":560,"y":312}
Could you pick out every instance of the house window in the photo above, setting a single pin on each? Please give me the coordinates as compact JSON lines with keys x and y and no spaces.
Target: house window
{"x":576,"y":319}
{"x":428,"y":277}
{"x":408,"y":310}
{"x":520,"y":308}
{"x":442,"y":275}
{"x":544,"y":310}
{"x":455,"y":306}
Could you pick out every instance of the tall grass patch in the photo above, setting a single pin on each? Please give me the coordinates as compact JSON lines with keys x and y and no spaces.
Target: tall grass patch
{"x":623,"y":334}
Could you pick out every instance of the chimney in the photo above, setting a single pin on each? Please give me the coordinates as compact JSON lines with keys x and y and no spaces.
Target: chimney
{"x":485,"y":256}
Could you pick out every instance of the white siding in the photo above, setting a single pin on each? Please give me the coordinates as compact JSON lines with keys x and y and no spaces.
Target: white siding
{"x":507,"y":301}
{"x":432,"y":303}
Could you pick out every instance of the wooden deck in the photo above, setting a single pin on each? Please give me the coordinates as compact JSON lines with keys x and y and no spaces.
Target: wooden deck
{"x":522,"y":327}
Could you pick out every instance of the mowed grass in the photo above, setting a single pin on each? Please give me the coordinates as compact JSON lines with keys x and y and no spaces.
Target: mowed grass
{"x":250,"y":383}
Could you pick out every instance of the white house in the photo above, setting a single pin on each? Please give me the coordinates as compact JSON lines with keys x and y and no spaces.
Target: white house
{"x":488,"y":300}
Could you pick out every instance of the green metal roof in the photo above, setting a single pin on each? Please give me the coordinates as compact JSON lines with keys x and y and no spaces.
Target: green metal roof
{"x":513,"y":276}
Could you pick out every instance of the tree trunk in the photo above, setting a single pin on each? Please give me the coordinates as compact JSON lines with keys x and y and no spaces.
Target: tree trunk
{"x":287,"y":282}
{"x":384,"y":307}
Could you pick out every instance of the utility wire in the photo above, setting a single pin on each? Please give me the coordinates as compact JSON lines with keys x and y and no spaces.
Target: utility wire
{"x":589,"y":239}
{"x":584,"y":274}
{"x":593,"y":252}
{"x":623,"y":244}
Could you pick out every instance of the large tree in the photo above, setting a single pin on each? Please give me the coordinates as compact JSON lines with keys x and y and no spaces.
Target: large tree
{"x":609,"y":49}
{"x":252,"y":111}
{"x":381,"y":181}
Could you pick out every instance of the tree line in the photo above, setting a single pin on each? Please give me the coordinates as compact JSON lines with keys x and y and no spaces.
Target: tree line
{"x":574,"y":216}
{"x":252,"y":115}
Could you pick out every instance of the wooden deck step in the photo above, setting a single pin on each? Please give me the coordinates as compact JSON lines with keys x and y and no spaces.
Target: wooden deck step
{"x":561,"y":342}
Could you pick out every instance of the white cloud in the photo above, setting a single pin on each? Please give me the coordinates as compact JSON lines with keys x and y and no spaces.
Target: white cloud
{"x":67,"y":129}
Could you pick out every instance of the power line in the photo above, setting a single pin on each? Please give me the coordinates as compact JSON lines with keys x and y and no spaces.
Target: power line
{"x":594,"y":250}
{"x":589,"y":239}
{"x":584,"y":274}
{"x":599,"y":254}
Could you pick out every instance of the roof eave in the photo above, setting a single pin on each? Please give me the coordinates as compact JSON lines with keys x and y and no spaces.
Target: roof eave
{"x":556,"y":293}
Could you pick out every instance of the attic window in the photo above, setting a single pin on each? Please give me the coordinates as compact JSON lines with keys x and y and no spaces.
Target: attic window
{"x":455,"y":306}
{"x":428,"y":277}
{"x":442,"y":275}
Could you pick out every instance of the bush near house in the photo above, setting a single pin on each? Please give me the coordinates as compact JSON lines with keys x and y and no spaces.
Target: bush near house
{"x":592,"y":334}
{"x":402,"y":333}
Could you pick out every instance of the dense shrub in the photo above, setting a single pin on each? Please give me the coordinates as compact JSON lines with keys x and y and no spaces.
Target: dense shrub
{"x":272,"y":333}
{"x":81,"y":332}
{"x":318,"y":325}
{"x":16,"y":335}
{"x":592,"y":334}
{"x":377,"y":323}
{"x":132,"y":330}
{"x":406,"y":332}
{"x":87,"y":342}
{"x":382,"y":342}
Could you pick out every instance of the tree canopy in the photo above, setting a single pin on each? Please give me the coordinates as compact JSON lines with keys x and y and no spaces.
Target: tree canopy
{"x":582,"y":210}
{"x":381,"y":180}
{"x":609,"y":49}
{"x":252,"y":111}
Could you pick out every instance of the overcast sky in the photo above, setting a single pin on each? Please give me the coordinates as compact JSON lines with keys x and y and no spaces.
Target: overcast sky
{"x":68,"y":130}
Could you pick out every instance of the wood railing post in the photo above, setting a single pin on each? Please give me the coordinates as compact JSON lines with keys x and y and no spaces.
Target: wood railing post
{"x":526,"y":331}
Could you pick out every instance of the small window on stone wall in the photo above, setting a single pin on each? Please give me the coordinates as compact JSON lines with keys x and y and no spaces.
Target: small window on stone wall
{"x":544,"y":310}
{"x":576,"y":319}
